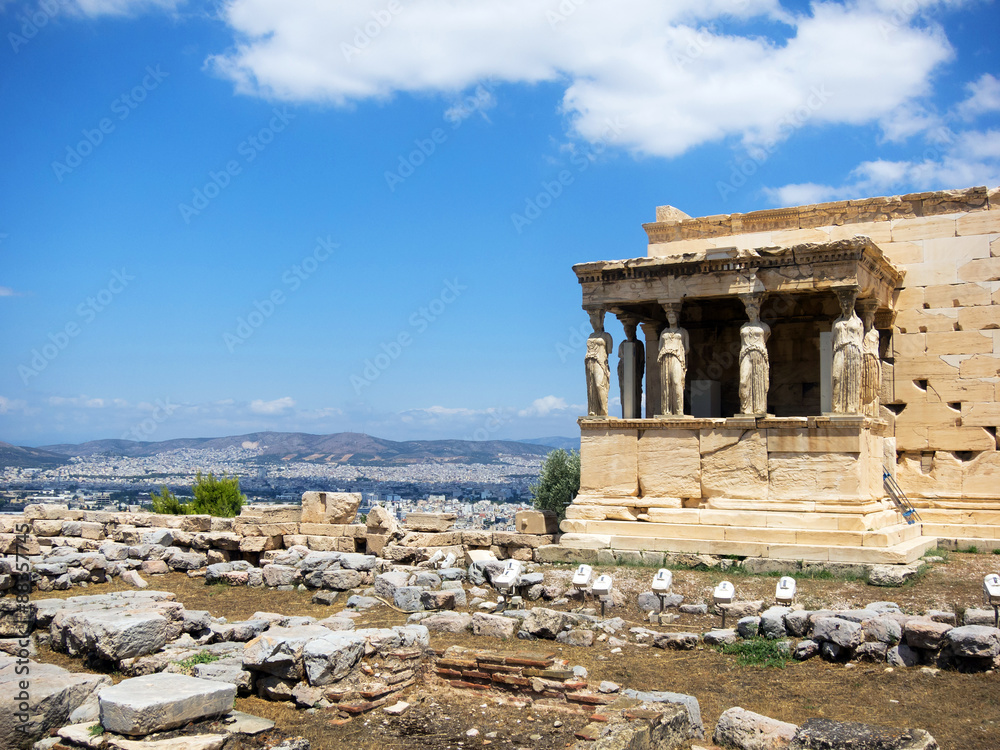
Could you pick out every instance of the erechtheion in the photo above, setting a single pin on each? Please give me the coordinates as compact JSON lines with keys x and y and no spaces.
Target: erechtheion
{"x":789,"y":356}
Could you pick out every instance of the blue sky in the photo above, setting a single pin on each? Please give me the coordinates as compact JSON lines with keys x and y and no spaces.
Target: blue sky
{"x":218,"y":218}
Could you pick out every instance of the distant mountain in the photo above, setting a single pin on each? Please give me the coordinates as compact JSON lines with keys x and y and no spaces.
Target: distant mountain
{"x":29,"y":458}
{"x":340,"y":448}
{"x":567,"y":444}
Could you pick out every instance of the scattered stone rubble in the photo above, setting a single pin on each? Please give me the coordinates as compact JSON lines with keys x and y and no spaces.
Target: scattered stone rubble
{"x":186,"y":666}
{"x":69,"y":548}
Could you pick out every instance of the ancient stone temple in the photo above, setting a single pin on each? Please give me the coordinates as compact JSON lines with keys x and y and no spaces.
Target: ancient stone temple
{"x":789,"y":358}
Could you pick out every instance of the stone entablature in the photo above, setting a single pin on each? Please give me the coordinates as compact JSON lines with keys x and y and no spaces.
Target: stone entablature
{"x":724,"y":272}
{"x":913,"y":205}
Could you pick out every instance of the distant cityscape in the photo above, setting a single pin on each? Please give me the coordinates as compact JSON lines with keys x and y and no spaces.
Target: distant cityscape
{"x":483,"y":496}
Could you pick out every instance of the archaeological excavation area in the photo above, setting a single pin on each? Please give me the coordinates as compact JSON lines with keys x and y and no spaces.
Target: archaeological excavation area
{"x":143,"y":632}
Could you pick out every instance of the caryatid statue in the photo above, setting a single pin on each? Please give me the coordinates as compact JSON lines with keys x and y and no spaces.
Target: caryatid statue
{"x":848,"y":343}
{"x":871,"y":372}
{"x":754,"y":365}
{"x":631,"y":366}
{"x":672,"y":356}
{"x":596,"y":363}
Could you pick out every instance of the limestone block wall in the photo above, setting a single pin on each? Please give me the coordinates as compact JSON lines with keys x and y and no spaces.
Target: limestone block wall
{"x":633,"y":468}
{"x":941,"y":372}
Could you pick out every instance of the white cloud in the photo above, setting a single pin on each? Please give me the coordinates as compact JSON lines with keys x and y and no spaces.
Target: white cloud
{"x":665,"y":71}
{"x":123,"y":7}
{"x":544,"y":406}
{"x":84,"y":402}
{"x":984,"y":96}
{"x":971,"y":158}
{"x":6,"y":291}
{"x":8,"y":405}
{"x":277,"y":406}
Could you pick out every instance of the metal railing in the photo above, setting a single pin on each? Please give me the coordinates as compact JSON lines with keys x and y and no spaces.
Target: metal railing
{"x":899,"y":497}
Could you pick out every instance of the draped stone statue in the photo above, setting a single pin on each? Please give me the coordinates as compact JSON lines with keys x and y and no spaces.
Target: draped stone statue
{"x":754,"y":365}
{"x":596,"y":363}
{"x":631,"y":365}
{"x":672,"y":356}
{"x":871,"y":371}
{"x":848,"y":341}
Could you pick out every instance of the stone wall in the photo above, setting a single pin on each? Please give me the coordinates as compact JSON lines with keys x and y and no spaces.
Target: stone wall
{"x":942,"y":351}
{"x":73,"y":547}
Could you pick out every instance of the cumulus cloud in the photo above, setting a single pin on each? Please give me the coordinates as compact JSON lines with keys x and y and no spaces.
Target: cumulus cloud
{"x":950,"y":159}
{"x":544,"y":406}
{"x":675,"y":75}
{"x":277,"y":406}
{"x":984,"y":96}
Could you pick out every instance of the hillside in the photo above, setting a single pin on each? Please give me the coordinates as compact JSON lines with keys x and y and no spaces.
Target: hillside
{"x":30,"y":458}
{"x":343,"y":448}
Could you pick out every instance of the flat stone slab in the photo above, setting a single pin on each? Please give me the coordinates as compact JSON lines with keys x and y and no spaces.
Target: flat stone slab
{"x":157,"y":702}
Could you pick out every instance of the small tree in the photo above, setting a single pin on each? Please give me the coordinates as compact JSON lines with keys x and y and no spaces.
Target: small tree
{"x":167,"y":502}
{"x":217,"y":496}
{"x":558,"y":482}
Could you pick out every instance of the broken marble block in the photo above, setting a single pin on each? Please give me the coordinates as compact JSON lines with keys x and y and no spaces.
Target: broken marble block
{"x":157,"y":702}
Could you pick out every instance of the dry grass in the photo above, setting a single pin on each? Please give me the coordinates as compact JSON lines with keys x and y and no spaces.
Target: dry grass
{"x":962,"y":711}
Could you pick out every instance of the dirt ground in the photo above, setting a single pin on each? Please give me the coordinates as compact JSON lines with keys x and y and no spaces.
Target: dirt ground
{"x":962,"y":711}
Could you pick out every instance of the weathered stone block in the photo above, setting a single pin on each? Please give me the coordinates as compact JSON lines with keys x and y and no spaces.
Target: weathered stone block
{"x":330,"y":659}
{"x":157,"y":702}
{"x":432,"y":522}
{"x":56,"y":697}
{"x":330,"y":507}
{"x":669,"y":463}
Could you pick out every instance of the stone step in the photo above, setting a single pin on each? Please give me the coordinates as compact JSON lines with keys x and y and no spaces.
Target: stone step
{"x":886,"y":537}
{"x":960,"y":516}
{"x":899,"y":554}
{"x":962,"y":531}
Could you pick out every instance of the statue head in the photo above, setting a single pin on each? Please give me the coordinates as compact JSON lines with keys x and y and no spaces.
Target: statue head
{"x":597,"y":320}
{"x":752,"y":304}
{"x":847,"y":295}
{"x":673,"y":311}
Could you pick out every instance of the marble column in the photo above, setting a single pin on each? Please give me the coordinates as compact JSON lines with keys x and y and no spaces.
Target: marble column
{"x":848,"y":342}
{"x":651,"y":331}
{"x":672,"y":354}
{"x":755,"y":373}
{"x":631,"y":364}
{"x":871,"y":371}
{"x":596,"y":366}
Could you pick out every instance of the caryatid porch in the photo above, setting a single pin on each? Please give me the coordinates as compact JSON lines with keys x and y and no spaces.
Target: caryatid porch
{"x":762,"y":433}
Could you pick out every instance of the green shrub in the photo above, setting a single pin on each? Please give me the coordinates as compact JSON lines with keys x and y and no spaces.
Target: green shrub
{"x":167,"y":503}
{"x":217,"y":496}
{"x":558,"y":482}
